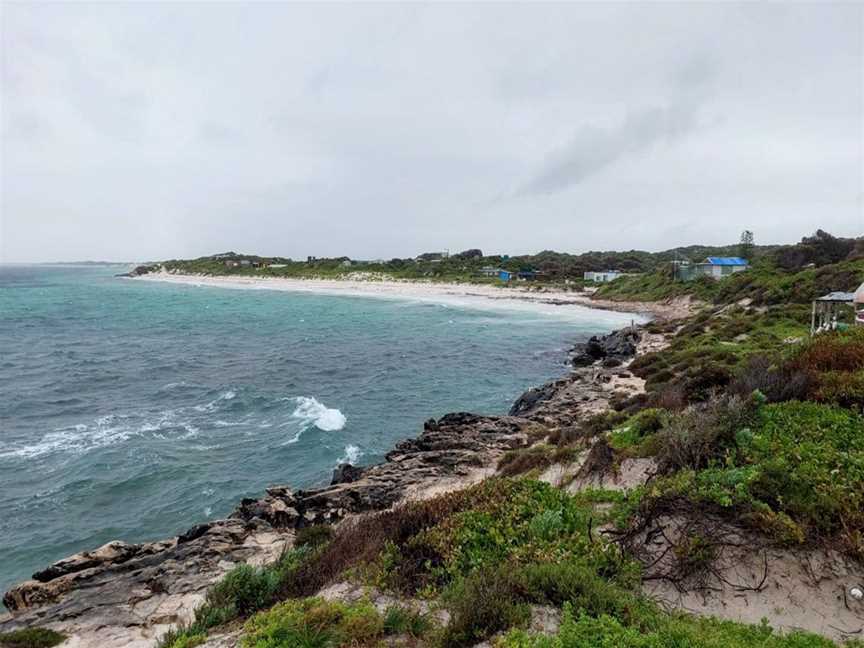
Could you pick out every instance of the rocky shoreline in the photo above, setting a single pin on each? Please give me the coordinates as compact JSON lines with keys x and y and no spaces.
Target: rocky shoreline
{"x":129,"y":594}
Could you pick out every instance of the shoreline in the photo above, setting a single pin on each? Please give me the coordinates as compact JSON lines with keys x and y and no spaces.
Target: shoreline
{"x":543,"y":300}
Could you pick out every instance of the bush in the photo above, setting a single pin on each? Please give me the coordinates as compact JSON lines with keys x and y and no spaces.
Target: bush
{"x":704,"y":380}
{"x":178,"y":638}
{"x":639,"y":427}
{"x":486,"y":602}
{"x":518,"y":462}
{"x":556,"y":584}
{"x":580,"y":629}
{"x":831,"y":352}
{"x":778,"y":382}
{"x":362,"y":540}
{"x":401,"y":620}
{"x":843,"y":388}
{"x":31,"y":638}
{"x":314,"y":536}
{"x":793,"y":470}
{"x":313,"y":623}
{"x":702,"y":434}
{"x":241,"y":592}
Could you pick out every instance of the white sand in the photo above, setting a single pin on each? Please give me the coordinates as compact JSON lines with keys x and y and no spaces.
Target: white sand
{"x":568,"y":305}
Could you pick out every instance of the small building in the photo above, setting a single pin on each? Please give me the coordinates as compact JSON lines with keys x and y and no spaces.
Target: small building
{"x":432,"y":256}
{"x":278,"y":265}
{"x":489,"y":271}
{"x":231,"y":263}
{"x":245,"y":263}
{"x":714,"y":267}
{"x":526,"y":275}
{"x":830,"y":311}
{"x":505,"y":275}
{"x":858,"y":304}
{"x":603,"y":276}
{"x":719,"y":267}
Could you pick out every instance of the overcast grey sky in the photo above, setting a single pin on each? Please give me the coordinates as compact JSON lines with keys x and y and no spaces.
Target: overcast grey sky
{"x":147,"y":131}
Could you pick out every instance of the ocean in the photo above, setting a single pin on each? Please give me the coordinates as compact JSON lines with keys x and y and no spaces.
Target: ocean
{"x":133,"y":410}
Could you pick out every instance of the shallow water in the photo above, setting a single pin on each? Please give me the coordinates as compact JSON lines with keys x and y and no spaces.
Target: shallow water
{"x":134,"y":409}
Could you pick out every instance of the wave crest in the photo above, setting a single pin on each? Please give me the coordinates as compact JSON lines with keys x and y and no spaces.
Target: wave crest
{"x":311,"y":412}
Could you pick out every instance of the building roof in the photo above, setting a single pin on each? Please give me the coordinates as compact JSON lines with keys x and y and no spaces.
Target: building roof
{"x":837,"y":297}
{"x":727,"y":261}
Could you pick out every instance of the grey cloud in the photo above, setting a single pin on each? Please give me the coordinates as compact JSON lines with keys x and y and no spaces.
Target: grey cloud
{"x":593,"y":149}
{"x":158,"y":130}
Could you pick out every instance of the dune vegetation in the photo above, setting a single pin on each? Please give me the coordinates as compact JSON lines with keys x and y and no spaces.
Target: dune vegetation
{"x":753,"y":429}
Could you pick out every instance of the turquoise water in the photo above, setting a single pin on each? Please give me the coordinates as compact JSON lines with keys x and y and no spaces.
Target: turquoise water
{"x":134,"y":410}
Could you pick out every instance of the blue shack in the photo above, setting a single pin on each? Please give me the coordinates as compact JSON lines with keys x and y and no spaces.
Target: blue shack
{"x":505,"y":275}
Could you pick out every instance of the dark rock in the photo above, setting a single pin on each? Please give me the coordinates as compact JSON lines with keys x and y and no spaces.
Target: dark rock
{"x":619,"y":345}
{"x":345,"y":474}
{"x":194,"y":533}
{"x":527,"y":401}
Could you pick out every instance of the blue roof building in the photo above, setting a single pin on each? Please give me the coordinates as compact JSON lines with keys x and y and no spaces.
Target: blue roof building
{"x":719,"y":267}
{"x":505,"y":275}
{"x":726,"y":261}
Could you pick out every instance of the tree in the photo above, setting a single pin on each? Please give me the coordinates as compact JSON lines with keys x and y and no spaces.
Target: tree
{"x":745,"y":247}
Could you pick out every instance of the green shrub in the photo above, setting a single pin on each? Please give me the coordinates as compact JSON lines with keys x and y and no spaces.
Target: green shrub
{"x":517,"y":462}
{"x":703,"y":434}
{"x":314,"y":623}
{"x":794,"y":469}
{"x":580,"y":629}
{"x":314,"y":536}
{"x":241,"y":592}
{"x":638,"y":427}
{"x":484,"y":603}
{"x":844,"y":388}
{"x":831,"y":352}
{"x":363,"y":540}
{"x":244,"y":589}
{"x":402,"y":620}
{"x":181,"y":639}
{"x":31,"y":638}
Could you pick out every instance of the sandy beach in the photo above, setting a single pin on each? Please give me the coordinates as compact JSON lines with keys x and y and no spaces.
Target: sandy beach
{"x":545,"y":301}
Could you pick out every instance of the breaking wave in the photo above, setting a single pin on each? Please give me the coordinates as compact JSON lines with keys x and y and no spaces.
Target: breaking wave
{"x":311,"y":412}
{"x":351,"y":456}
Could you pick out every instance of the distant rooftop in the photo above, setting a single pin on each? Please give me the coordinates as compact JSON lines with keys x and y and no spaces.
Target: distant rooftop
{"x":727,"y":261}
{"x":837,"y":297}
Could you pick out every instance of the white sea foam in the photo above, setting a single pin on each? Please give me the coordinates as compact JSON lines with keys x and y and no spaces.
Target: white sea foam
{"x":74,"y":439}
{"x":311,"y":412}
{"x":105,"y":431}
{"x":351,"y":456}
{"x":213,"y":405}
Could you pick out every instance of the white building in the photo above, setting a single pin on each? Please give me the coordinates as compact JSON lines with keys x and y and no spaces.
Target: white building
{"x":604,"y":276}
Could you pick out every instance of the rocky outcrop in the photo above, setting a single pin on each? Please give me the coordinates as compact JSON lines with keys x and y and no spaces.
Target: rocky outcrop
{"x":613,"y":348}
{"x":128,"y":594}
{"x":138,"y":271}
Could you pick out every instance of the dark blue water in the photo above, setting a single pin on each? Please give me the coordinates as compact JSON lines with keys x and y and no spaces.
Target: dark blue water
{"x":133,"y":409}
